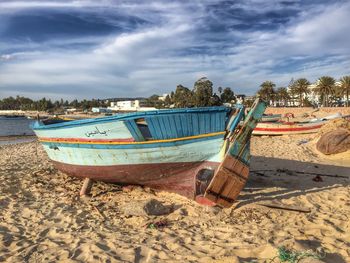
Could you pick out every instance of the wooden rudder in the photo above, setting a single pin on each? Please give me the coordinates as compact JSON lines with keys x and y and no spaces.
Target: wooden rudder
{"x":232,"y":174}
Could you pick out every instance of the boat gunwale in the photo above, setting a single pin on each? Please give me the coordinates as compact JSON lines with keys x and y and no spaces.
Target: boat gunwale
{"x":137,"y":145}
{"x":128,"y":116}
{"x":111,"y":142}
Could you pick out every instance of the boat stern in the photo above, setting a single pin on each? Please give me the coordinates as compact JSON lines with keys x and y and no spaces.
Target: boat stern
{"x":232,"y":174}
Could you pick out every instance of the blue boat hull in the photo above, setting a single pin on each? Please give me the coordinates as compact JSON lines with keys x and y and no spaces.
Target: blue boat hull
{"x":173,"y":150}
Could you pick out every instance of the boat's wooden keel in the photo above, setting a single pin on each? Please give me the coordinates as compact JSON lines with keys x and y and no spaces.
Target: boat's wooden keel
{"x":87,"y":185}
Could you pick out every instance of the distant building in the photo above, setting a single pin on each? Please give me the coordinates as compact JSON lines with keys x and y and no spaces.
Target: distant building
{"x":240,"y":98}
{"x":70,"y":110}
{"x":129,"y":105}
{"x":126,"y":104}
{"x":313,"y":97}
{"x":249,"y":98}
{"x":162,"y":98}
{"x":101,"y":110}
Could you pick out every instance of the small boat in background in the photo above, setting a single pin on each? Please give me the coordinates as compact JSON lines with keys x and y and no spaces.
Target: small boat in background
{"x":327,"y":118}
{"x":284,"y":128}
{"x":55,"y":120}
{"x":201,"y":153}
{"x":287,"y":127}
{"x":271,"y":117}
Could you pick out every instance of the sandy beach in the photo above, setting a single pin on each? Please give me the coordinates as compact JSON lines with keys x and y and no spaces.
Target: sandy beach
{"x":43,"y":219}
{"x":239,"y":109}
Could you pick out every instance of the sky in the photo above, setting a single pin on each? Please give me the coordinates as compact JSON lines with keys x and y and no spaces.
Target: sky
{"x":110,"y":48}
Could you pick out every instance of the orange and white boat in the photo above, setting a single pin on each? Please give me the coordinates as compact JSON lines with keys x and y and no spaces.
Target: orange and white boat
{"x":283,"y":128}
{"x":287,"y":127}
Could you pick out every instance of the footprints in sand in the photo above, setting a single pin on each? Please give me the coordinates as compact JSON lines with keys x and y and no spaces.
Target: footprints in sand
{"x":42,"y":219}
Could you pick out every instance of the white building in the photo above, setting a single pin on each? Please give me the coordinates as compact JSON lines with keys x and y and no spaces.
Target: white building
{"x":129,"y":105}
{"x":126,"y":104}
{"x":240,"y":98}
{"x":312,"y":96}
{"x":162,"y":98}
{"x":100,"y":110}
{"x":70,"y":110}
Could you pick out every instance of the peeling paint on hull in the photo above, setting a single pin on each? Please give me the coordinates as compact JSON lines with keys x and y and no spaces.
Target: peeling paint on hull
{"x":174,"y":177}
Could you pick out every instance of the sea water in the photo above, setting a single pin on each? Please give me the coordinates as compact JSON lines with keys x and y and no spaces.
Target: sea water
{"x":19,"y":126}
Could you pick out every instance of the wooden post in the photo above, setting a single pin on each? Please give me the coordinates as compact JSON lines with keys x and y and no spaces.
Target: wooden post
{"x":87,"y":185}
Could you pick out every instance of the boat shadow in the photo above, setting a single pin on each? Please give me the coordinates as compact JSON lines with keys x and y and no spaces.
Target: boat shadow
{"x":289,"y":178}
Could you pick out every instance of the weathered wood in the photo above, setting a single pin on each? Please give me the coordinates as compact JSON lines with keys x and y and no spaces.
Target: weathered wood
{"x":229,"y":182}
{"x":87,"y":185}
{"x":320,"y":174}
{"x":231,"y":176}
{"x":99,"y":212}
{"x":286,"y":207}
{"x":224,"y":203}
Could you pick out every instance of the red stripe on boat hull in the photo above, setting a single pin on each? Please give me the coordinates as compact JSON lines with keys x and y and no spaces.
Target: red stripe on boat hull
{"x":77,"y":140}
{"x":172,"y":177}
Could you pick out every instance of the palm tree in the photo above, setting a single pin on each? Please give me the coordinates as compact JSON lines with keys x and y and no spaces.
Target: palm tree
{"x":345,"y":87}
{"x":283,"y":95}
{"x":325,"y":88}
{"x":300,"y":87}
{"x":267,"y":91}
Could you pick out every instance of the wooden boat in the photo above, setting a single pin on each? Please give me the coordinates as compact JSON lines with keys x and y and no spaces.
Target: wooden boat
{"x":327,"y":118}
{"x":283,"y":128}
{"x":55,"y":119}
{"x":201,"y":153}
{"x":271,"y":117}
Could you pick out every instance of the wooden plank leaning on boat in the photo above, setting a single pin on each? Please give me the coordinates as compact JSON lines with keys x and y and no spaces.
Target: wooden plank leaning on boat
{"x":231,"y":176}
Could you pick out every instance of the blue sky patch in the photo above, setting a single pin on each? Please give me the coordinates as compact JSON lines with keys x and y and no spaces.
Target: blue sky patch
{"x":100,"y":49}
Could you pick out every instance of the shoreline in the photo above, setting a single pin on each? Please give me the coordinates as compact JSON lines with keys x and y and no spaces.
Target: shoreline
{"x":14,"y":137}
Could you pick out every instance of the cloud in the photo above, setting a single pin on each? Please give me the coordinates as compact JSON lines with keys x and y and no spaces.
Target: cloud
{"x":6,"y":57}
{"x":16,"y":5}
{"x":161,"y":44}
{"x":130,"y":43}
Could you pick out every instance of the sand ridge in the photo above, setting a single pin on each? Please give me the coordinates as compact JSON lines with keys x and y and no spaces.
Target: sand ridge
{"x":42,"y":218}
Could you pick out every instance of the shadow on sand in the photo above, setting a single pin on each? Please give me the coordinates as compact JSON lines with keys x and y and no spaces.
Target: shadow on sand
{"x":291,"y":178}
{"x":288,"y":178}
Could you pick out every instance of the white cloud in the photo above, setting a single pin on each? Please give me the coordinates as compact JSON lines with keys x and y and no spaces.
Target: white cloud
{"x":45,"y":4}
{"x":147,"y":60}
{"x":6,"y":57}
{"x":143,"y":41}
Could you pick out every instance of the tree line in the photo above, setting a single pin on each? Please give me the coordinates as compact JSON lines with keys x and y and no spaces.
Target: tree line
{"x":201,"y":95}
{"x":329,"y":92}
{"x":26,"y":104}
